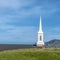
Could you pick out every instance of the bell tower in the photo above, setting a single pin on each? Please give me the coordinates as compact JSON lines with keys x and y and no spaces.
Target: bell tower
{"x":40,"y":42}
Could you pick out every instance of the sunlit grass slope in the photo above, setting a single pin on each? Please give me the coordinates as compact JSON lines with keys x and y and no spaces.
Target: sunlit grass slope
{"x":31,"y":54}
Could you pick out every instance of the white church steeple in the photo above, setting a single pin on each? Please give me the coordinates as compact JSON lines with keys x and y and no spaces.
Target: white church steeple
{"x":40,"y":42}
{"x":40,"y":27}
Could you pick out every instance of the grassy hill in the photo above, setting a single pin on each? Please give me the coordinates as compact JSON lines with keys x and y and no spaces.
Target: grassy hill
{"x":31,"y":54}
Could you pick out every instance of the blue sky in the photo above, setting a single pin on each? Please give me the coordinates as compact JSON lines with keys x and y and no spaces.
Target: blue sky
{"x":19,"y":20}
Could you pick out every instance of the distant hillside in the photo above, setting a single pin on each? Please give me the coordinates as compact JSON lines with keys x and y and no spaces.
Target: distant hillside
{"x":55,"y":43}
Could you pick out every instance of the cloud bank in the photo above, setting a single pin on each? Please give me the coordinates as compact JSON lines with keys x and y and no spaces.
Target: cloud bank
{"x":19,"y":20}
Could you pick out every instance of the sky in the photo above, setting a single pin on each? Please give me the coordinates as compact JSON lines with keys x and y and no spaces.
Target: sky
{"x":19,"y":20}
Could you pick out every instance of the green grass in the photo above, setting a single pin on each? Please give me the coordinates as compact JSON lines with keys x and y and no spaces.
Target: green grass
{"x":31,"y":54}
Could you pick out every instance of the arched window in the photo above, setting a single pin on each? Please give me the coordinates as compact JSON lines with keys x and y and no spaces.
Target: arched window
{"x":40,"y":38}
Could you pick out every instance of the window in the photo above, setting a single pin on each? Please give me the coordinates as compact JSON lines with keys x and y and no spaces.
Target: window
{"x":40,"y":38}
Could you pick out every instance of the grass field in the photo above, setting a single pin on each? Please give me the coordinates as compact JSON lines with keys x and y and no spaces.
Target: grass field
{"x":31,"y":54}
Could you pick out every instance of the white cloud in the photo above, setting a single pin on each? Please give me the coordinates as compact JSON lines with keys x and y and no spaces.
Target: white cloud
{"x":19,"y":8}
{"x":9,"y":3}
{"x":15,"y":3}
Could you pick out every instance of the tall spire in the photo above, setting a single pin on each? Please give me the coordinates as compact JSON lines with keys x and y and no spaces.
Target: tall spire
{"x":40,"y":27}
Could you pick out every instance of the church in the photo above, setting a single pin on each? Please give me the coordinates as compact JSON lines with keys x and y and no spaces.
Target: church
{"x":40,"y":41}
